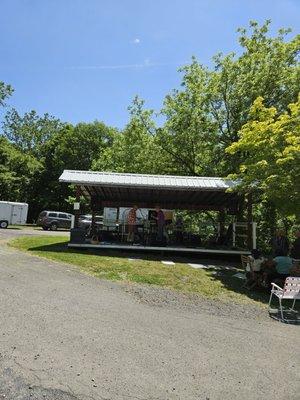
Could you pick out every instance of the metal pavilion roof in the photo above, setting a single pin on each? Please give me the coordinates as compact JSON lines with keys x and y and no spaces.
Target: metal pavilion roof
{"x":114,"y":179}
{"x":177,"y":192}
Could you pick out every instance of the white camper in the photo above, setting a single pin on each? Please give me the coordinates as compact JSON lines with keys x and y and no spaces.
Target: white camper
{"x":12,"y":213}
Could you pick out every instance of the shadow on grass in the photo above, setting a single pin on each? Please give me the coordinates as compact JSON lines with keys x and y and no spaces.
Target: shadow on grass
{"x":221,"y":259}
{"x":223,"y":271}
{"x":234,"y":284}
{"x":291,"y":317}
{"x":39,"y":228}
{"x":261,"y":295}
{"x":62,"y":247}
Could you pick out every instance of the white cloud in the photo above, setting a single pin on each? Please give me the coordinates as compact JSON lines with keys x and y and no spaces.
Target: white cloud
{"x":136,"y":41}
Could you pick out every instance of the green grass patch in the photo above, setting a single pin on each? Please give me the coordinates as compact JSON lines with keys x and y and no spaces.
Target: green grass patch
{"x":117,"y":267}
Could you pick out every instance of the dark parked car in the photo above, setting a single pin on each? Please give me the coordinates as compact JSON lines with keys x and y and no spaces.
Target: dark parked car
{"x":54,"y":220}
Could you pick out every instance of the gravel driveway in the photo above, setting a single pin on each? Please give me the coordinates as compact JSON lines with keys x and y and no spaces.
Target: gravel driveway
{"x":66,"y":335}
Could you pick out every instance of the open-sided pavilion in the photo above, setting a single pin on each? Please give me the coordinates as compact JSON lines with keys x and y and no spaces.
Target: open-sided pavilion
{"x":106,"y":189}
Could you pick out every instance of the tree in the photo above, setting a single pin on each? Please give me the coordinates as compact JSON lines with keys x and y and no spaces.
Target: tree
{"x":76,"y":147}
{"x":134,"y":149}
{"x":189,"y":137}
{"x":5,"y":91}
{"x":52,"y":146}
{"x":270,"y":147}
{"x":30,"y":132}
{"x":71,"y":147}
{"x":17,"y":172}
{"x":204,"y":116}
{"x":268,"y":67}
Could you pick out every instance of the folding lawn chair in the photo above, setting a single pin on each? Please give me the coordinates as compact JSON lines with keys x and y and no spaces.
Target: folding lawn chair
{"x":290,"y":291}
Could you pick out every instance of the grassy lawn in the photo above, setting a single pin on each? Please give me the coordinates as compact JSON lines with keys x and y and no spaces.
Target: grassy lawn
{"x":210,"y":283}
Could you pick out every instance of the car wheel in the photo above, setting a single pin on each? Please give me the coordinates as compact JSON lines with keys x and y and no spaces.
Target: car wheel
{"x":3,"y":224}
{"x":53,"y":227}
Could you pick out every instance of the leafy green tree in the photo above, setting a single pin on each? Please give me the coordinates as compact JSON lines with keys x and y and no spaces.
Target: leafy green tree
{"x":205,"y":115}
{"x":30,"y":132}
{"x":28,"y":136}
{"x":189,"y":137}
{"x":134,"y":149}
{"x":46,"y":146}
{"x":72,"y":147}
{"x":269,"y":145}
{"x":17,"y":172}
{"x":268,"y":67}
{"x":75,"y":147}
{"x":5,"y":91}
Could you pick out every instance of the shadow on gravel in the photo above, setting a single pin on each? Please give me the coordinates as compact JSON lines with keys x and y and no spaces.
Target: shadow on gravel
{"x":13,"y":387}
{"x":294,"y":318}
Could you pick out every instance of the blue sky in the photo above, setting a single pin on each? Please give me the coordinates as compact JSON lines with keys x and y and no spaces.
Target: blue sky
{"x":82,"y":60}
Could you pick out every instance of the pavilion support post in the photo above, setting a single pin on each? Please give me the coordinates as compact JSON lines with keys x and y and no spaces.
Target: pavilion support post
{"x":249,"y":221}
{"x":77,"y":207}
{"x":96,"y":207}
{"x":93,"y":223}
{"x":222,"y":223}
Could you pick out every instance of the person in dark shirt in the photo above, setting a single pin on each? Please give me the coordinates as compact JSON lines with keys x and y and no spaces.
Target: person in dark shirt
{"x":160,"y":218}
{"x":295,"y":250}
{"x":280,"y":243}
{"x":178,"y":229}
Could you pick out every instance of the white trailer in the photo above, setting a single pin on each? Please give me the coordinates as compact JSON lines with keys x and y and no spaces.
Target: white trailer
{"x":12,"y":213}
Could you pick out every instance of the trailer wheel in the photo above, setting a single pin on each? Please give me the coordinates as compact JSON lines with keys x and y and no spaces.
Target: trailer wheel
{"x":3,"y":224}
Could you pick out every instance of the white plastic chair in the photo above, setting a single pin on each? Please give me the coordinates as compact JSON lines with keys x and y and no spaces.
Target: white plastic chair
{"x":290,"y":291}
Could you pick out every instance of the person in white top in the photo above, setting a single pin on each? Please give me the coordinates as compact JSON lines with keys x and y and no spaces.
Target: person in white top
{"x":253,"y":268}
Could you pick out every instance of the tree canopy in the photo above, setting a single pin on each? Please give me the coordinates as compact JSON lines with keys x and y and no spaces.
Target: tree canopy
{"x":36,"y":149}
{"x":205,"y":114}
{"x":5,"y":92}
{"x":17,"y":172}
{"x":270,"y":146}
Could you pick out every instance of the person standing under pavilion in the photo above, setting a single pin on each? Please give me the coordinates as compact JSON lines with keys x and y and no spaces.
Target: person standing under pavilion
{"x":160,"y":219}
{"x":131,"y":221}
